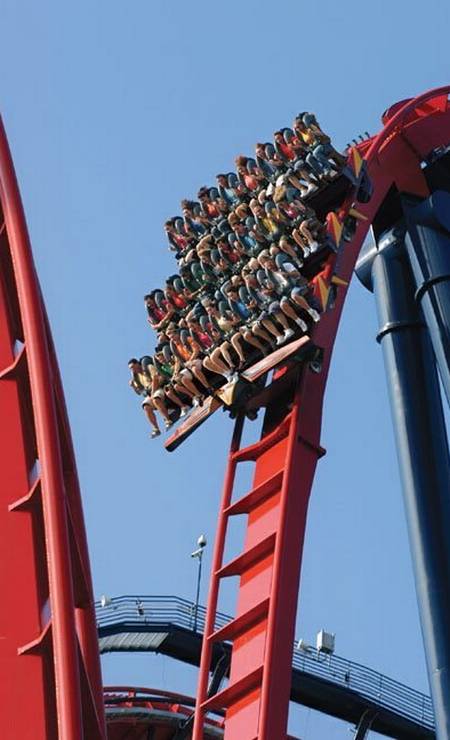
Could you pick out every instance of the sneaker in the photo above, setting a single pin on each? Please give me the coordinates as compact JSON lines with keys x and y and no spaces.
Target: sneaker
{"x":168,"y":423}
{"x":183,"y":411}
{"x":315,"y":315}
{"x":288,"y":334}
{"x":306,"y":252}
{"x":196,"y":402}
{"x":280,"y":340}
{"x":313,"y":247}
{"x":155,"y":433}
{"x":301,"y":324}
{"x":311,"y":188}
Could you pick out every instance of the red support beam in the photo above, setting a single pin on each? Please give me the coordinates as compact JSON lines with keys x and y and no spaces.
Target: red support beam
{"x":49,"y":646}
{"x":256,"y":698}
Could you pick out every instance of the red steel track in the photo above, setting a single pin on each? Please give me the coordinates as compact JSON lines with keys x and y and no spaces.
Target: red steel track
{"x":49,"y":662}
{"x":256,"y":698}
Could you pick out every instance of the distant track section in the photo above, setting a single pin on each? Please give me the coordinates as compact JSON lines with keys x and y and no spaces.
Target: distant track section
{"x":333,"y":685}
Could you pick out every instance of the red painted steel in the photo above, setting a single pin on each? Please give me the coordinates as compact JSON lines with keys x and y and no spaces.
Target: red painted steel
{"x":256,"y":698}
{"x":159,"y":716}
{"x":49,"y":643}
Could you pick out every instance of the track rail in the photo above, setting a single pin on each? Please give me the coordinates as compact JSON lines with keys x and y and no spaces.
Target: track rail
{"x":256,"y":698}
{"x":48,"y":637}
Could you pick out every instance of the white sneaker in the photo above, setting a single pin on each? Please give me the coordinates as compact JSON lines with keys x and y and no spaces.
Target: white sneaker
{"x":183,"y":411}
{"x":288,"y":334}
{"x":306,"y":252}
{"x":155,"y":433}
{"x":314,"y":246}
{"x":315,"y":315}
{"x":280,"y":340}
{"x":168,"y":423}
{"x":301,"y":324}
{"x":196,"y":402}
{"x":311,"y":188}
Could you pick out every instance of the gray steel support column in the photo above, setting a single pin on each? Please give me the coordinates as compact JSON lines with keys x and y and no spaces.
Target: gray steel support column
{"x":365,"y":723}
{"x":422,"y":451}
{"x":428,"y":246}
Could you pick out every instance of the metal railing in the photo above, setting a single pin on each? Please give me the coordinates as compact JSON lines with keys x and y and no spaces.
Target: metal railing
{"x":369,"y":684}
{"x":155,"y":610}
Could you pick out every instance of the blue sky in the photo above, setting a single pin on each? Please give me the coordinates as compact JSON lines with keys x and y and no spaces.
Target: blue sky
{"x":115,"y":111}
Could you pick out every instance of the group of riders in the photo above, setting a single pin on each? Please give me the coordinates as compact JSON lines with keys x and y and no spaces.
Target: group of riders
{"x":240,"y":290}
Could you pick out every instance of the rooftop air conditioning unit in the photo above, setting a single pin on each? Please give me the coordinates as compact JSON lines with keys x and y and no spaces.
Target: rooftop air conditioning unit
{"x":325,"y":642}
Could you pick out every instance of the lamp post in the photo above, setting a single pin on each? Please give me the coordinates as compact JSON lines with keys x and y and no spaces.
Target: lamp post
{"x":198,"y":553}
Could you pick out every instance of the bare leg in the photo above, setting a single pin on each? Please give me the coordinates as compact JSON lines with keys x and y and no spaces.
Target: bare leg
{"x":150,"y":414}
{"x":180,"y":388}
{"x":161,"y":407}
{"x":187,"y":382}
{"x":216,"y":367}
{"x":288,"y":310}
{"x":197,"y":372}
{"x":259,"y":332}
{"x":299,"y":240}
{"x":289,"y":249}
{"x":271,"y":328}
{"x":224,"y":349}
{"x":303,"y":303}
{"x":248,"y":336}
{"x":305,"y":232}
{"x":236,"y":343}
{"x":174,"y":398}
{"x":282,"y":320}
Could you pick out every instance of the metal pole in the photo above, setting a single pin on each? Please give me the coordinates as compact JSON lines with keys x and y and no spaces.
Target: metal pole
{"x":197,"y":597}
{"x":422,"y":450}
{"x":428,"y":247}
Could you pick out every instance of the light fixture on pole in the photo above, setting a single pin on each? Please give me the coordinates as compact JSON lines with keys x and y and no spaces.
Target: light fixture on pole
{"x":198,"y":553}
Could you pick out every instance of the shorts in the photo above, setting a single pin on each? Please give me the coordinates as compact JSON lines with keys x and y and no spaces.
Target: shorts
{"x":299,"y":291}
{"x":274,"y":307}
{"x":147,"y":401}
{"x":300,"y":165}
{"x":159,"y":393}
{"x":256,"y":323}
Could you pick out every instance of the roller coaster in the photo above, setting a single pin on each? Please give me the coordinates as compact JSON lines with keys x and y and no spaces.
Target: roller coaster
{"x":50,"y":643}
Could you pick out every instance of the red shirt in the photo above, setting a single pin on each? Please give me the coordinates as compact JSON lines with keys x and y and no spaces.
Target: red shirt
{"x":178,"y":301}
{"x":287,"y":150}
{"x":251,"y":182}
{"x":212,"y":210}
{"x":204,"y":339}
{"x":155,"y":315}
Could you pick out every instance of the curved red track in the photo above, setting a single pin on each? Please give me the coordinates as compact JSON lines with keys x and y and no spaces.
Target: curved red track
{"x":50,"y":670}
{"x":257,"y":696}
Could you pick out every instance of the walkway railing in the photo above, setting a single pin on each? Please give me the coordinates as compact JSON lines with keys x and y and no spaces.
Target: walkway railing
{"x":374,"y":687}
